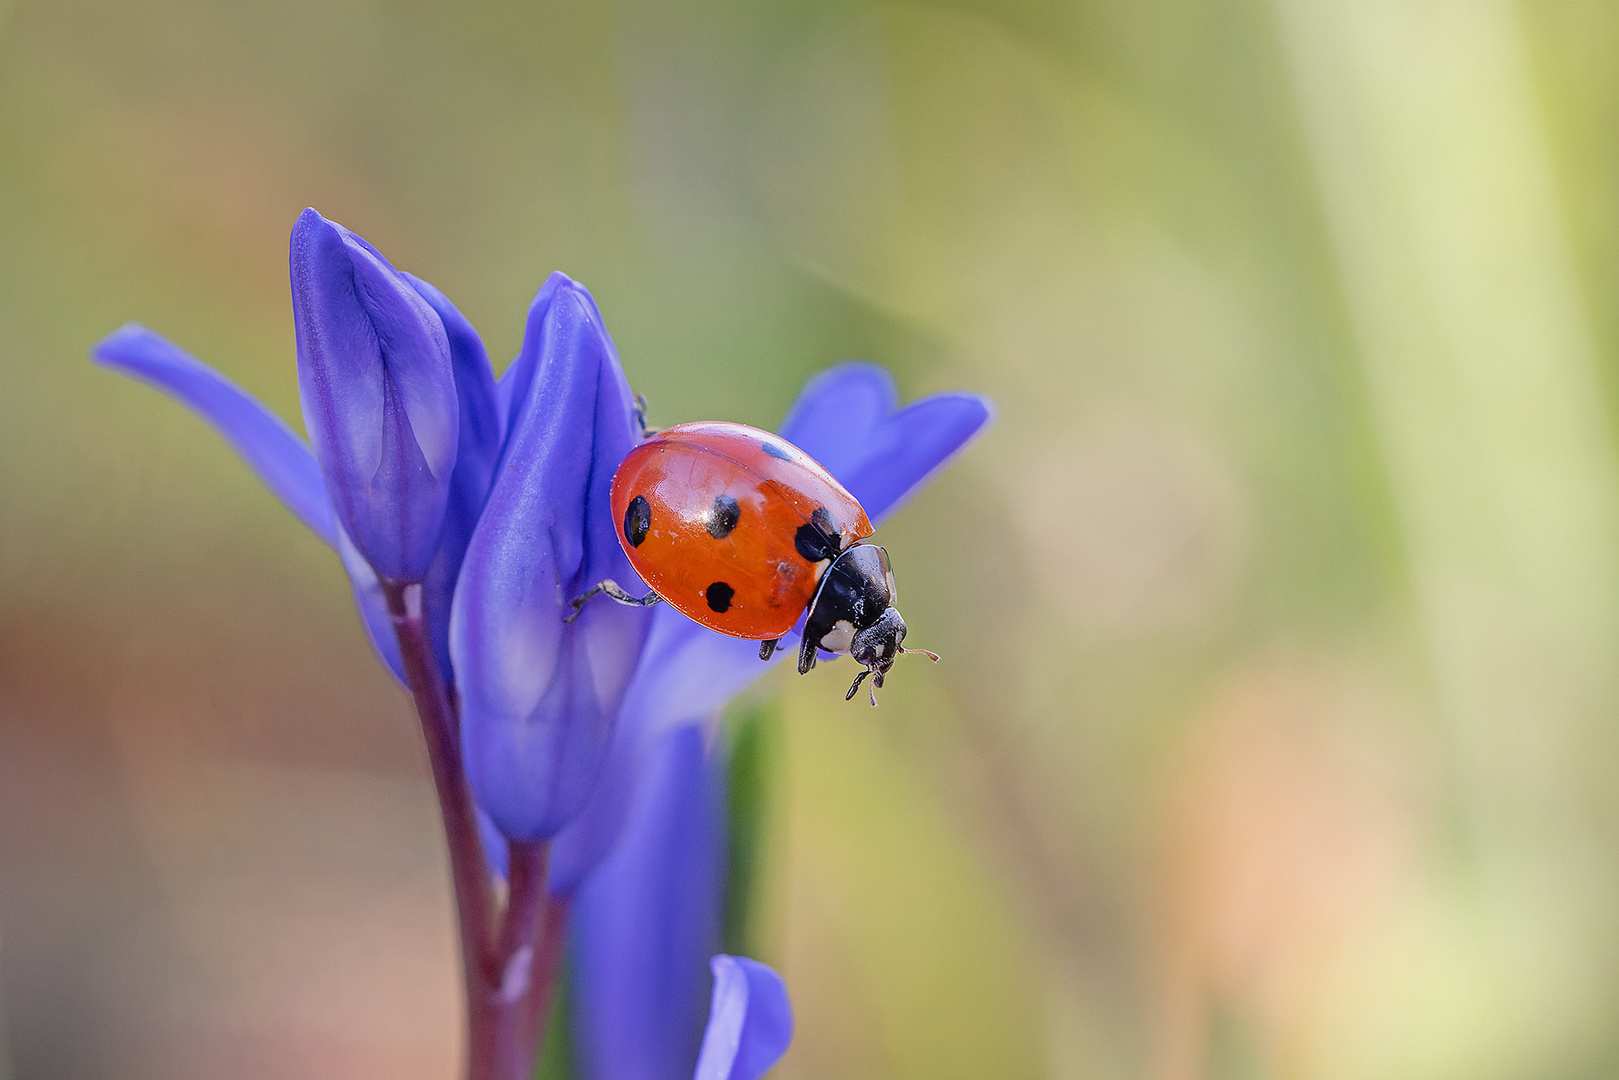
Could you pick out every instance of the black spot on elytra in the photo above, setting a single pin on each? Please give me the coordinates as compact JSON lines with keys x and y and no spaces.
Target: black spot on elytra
{"x":637,"y":520}
{"x":819,"y":538}
{"x":775,"y":450}
{"x":719,"y":597}
{"x":723,"y":516}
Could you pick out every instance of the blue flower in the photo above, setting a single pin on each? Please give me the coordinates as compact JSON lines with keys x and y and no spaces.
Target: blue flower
{"x":291,"y":469}
{"x":648,"y":915}
{"x":454,"y":500}
{"x":421,"y":464}
{"x":468,"y":513}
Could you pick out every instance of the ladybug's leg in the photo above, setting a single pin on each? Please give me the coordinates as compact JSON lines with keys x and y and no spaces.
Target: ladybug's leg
{"x":640,"y":415}
{"x":612,"y":589}
{"x":854,"y":688}
{"x":766,"y":648}
{"x":806,"y":653}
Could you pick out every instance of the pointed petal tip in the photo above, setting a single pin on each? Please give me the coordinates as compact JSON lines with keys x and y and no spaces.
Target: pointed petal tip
{"x":541,"y":304}
{"x":976,"y":409}
{"x":110,"y":351}
{"x":135,"y":350}
{"x":281,"y":459}
{"x":560,"y":288}
{"x":308,"y":224}
{"x":850,"y":371}
{"x":572,"y":292}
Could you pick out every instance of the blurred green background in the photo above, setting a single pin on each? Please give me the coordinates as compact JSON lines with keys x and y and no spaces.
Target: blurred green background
{"x":1275,"y":736}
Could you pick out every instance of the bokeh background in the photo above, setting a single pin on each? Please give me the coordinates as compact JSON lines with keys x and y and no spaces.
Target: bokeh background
{"x":1275,"y":736}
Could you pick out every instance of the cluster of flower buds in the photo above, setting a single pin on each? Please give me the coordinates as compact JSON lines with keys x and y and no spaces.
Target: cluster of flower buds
{"x":468,"y":513}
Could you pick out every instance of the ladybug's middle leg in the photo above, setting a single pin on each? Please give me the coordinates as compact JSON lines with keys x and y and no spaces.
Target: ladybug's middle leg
{"x":767,"y":647}
{"x":614,"y":590}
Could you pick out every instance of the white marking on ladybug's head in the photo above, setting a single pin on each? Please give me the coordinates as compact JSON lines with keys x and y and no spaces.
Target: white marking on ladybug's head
{"x":839,"y":638}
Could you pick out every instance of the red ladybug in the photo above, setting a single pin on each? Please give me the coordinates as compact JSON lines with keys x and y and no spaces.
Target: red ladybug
{"x":742,"y":531}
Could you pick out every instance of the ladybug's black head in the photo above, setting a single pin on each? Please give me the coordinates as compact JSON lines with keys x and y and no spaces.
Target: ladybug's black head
{"x":853,"y":611}
{"x":878,"y":644}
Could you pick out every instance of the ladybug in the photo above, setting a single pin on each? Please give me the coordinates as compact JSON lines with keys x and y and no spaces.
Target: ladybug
{"x":742,"y":531}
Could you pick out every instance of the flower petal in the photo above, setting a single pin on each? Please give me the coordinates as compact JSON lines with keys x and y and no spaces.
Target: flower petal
{"x":378,"y":392}
{"x":750,"y":1022}
{"x":846,"y":419}
{"x":588,"y":838}
{"x":539,"y":697}
{"x":373,"y":606}
{"x":688,"y":672}
{"x":282,"y":460}
{"x":646,"y":922}
{"x":482,"y":430}
{"x":837,"y":411}
{"x":518,"y":377}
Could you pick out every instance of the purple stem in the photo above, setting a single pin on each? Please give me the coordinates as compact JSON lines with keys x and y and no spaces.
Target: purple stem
{"x":515,"y":1037}
{"x":509,"y":960}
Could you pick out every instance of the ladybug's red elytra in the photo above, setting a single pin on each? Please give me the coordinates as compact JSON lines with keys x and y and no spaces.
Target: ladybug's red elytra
{"x":743,"y":532}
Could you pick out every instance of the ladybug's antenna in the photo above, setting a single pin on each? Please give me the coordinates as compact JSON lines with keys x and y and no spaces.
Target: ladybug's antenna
{"x":854,"y":687}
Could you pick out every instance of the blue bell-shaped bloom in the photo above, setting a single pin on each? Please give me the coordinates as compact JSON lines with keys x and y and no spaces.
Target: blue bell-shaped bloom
{"x":539,"y":697}
{"x":379,"y":397}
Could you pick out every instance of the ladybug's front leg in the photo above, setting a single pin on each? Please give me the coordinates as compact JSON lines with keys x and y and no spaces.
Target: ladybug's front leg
{"x":614,"y":590}
{"x":806,"y":652}
{"x":640,"y":415}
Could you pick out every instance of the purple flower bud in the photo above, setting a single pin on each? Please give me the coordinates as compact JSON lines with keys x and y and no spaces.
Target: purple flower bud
{"x":539,"y":697}
{"x":378,"y":393}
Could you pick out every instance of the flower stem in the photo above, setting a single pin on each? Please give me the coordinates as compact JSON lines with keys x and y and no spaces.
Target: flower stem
{"x":509,"y":959}
{"x":529,"y":965}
